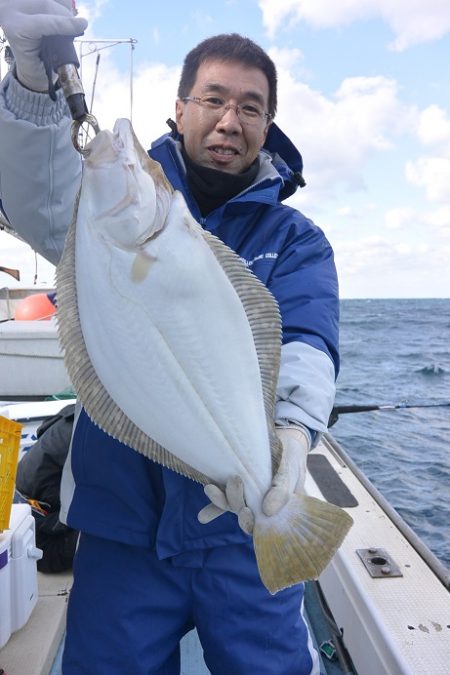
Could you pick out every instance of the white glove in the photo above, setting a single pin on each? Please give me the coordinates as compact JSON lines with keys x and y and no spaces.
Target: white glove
{"x":291,"y":474}
{"x":230,"y":500}
{"x":290,"y":478}
{"x":25,"y":23}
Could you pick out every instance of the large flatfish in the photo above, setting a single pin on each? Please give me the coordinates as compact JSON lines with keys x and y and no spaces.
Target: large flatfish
{"x":173,"y":347}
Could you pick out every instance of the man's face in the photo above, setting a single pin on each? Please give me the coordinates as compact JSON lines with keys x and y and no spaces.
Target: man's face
{"x":224,"y":143}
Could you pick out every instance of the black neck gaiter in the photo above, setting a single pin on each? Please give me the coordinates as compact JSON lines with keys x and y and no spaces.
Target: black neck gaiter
{"x":212,"y":188}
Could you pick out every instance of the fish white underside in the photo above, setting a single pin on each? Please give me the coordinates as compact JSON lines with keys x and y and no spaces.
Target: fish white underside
{"x":171,"y":348}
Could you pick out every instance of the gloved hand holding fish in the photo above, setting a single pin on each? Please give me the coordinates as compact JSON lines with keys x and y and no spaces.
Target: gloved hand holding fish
{"x":173,"y":347}
{"x":289,"y":478}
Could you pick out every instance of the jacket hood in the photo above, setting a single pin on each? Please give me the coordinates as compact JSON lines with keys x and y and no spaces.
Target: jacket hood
{"x":286,"y":159}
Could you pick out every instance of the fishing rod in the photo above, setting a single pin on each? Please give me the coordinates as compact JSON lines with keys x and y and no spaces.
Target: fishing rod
{"x":344,"y":409}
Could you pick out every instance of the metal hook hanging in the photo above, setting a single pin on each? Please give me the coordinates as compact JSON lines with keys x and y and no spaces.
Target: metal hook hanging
{"x":80,"y":129}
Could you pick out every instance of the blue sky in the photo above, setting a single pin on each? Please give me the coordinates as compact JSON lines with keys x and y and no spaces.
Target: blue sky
{"x":364,"y":93}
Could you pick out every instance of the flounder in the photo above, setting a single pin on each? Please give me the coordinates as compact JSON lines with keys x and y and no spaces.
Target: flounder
{"x":173,"y":347}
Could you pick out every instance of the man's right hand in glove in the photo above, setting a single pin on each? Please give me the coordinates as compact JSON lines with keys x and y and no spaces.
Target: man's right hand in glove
{"x":289,"y":479}
{"x":25,"y":23}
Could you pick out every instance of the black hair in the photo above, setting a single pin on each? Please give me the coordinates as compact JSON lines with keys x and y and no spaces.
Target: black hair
{"x":229,"y":47}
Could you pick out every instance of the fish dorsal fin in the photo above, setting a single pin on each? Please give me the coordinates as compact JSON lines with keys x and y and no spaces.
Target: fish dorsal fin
{"x":264,"y":319}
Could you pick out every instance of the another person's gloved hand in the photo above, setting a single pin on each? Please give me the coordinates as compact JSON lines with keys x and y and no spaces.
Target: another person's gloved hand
{"x":25,"y":23}
{"x":290,"y":478}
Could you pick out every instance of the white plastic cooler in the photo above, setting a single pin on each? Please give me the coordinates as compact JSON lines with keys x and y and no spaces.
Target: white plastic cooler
{"x":18,"y":571}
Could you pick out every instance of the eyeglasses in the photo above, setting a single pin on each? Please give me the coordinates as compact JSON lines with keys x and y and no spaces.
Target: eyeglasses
{"x":250,"y":114}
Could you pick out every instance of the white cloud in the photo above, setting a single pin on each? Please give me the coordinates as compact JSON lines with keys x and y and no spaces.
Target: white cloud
{"x":375,"y":255}
{"x":337,"y":135}
{"x":93,"y":10}
{"x":432,"y":174}
{"x":379,"y":267}
{"x":285,"y":58}
{"x":412,"y":21}
{"x":433,"y":126}
{"x":400,"y":217}
{"x":411,"y":219}
{"x":346,"y":211}
{"x":415,"y":21}
{"x":317,"y":13}
{"x":440,"y":220}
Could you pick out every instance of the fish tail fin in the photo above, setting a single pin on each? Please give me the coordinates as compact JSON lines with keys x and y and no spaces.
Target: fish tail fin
{"x":298,"y":543}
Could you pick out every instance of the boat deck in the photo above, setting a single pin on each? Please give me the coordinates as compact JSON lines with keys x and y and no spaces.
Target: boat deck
{"x":32,"y":649}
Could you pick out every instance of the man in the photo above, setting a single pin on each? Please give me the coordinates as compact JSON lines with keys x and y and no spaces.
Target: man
{"x":146,"y":570}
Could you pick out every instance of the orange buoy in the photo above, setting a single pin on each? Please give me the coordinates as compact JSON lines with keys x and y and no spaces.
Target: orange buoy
{"x":35,"y":307}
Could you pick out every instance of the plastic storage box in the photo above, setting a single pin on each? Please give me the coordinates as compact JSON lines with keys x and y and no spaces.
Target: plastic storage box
{"x":18,"y":571}
{"x":10,"y":434}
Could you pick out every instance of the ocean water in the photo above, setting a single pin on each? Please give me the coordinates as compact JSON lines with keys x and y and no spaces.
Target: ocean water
{"x":394,"y":352}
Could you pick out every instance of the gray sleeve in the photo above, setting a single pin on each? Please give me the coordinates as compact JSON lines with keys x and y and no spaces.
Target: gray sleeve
{"x":306,"y":387}
{"x":40,"y":170}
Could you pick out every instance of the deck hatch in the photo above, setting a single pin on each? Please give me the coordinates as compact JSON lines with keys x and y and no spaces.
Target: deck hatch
{"x":378,"y":562}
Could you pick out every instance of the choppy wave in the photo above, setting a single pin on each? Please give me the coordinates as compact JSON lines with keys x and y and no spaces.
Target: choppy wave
{"x":394,"y":351}
{"x":432,"y":369}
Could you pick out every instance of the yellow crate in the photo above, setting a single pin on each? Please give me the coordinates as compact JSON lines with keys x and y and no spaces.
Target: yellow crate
{"x":10,"y":433}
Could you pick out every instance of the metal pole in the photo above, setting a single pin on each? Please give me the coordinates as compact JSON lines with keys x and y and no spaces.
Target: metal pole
{"x":131,"y":80}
